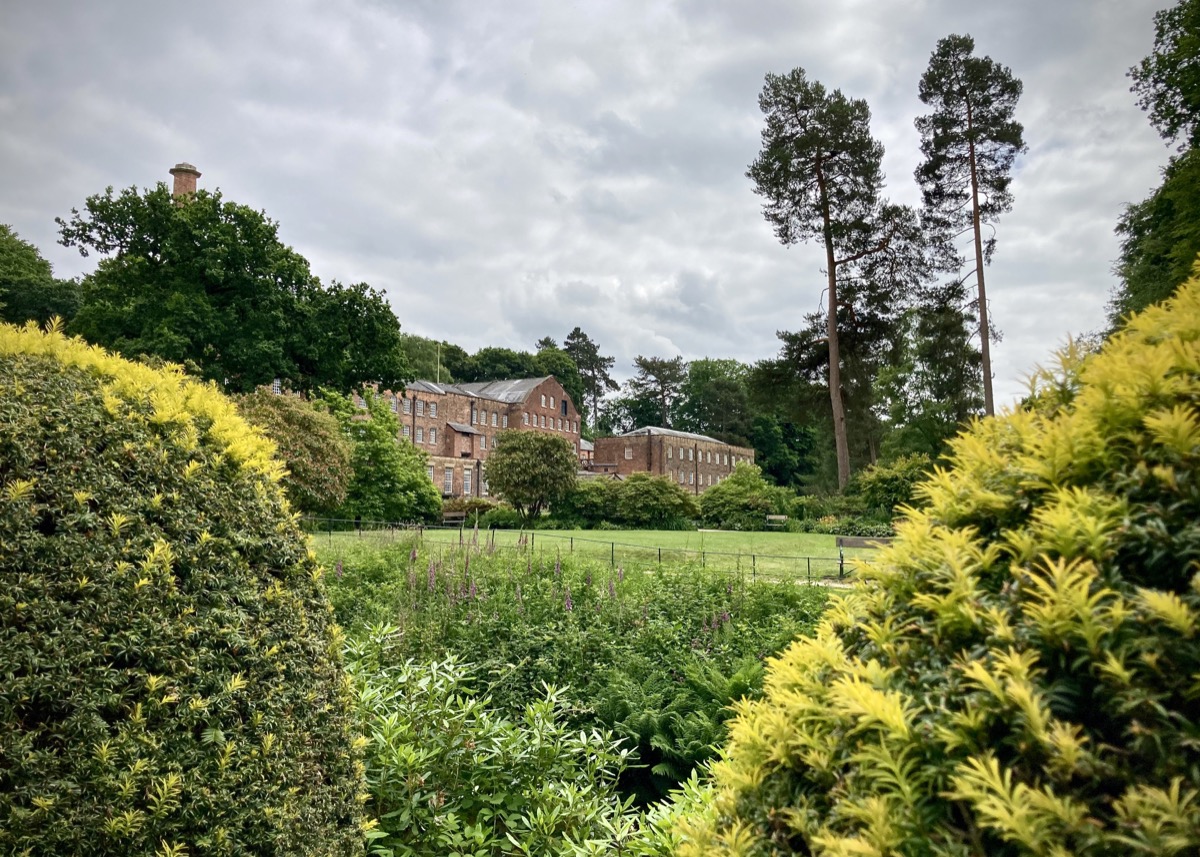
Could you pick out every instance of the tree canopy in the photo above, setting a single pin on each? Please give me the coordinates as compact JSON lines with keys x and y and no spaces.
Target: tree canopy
{"x":207,"y":283}
{"x":1167,"y":82}
{"x":593,"y":369}
{"x":531,"y":470}
{"x":389,"y":482}
{"x":28,"y":288}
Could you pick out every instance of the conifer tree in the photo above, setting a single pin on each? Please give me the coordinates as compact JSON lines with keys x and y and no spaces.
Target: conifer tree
{"x":969,"y":141}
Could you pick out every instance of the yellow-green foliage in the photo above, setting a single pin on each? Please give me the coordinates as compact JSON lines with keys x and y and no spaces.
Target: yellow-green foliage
{"x":170,"y":678}
{"x":1019,"y":673}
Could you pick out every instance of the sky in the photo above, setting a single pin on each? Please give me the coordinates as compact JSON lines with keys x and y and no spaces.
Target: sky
{"x":508,"y":171}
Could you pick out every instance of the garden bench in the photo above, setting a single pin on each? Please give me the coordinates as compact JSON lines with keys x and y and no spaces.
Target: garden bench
{"x":454,"y":519}
{"x":858,"y":542}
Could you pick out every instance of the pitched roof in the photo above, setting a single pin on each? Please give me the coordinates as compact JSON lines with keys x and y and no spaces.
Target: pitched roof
{"x":510,"y":391}
{"x":657,"y":430}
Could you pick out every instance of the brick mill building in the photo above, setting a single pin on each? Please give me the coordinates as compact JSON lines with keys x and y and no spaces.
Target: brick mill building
{"x":695,"y":461}
{"x":458,"y":425}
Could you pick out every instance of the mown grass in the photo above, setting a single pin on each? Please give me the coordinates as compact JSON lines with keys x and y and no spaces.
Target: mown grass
{"x":772,"y":555}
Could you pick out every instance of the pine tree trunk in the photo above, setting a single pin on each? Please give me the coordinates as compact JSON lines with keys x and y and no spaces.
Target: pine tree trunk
{"x":977,"y":227}
{"x":840,"y":442}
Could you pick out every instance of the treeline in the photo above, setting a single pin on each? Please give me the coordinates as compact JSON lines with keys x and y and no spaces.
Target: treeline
{"x":894,"y":365}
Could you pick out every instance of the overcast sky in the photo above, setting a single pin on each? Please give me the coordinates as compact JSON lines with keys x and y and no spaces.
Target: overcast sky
{"x":506,"y":171}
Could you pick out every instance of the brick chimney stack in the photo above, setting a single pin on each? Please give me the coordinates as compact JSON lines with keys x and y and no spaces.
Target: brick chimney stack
{"x":185,"y":179}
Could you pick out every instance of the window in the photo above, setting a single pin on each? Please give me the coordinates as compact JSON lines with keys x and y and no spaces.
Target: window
{"x":708,"y":457}
{"x":504,"y":421}
{"x":689,"y":453}
{"x":680,"y":477}
{"x":474,"y":416}
{"x":395,"y":405}
{"x":629,"y":453}
{"x":358,"y":401}
{"x":277,"y":387}
{"x":407,"y":406}
{"x":563,"y":405}
{"x":483,"y":418}
{"x":542,"y":420}
{"x":483,"y":441}
{"x":420,"y":435}
{"x":560,"y":423}
{"x":433,"y":409}
{"x":404,"y":430}
{"x":543,"y":400}
{"x":433,"y":435}
{"x":420,"y":407}
{"x":467,"y":481}
{"x":448,"y":486}
{"x":495,"y":419}
{"x":526,"y":417}
{"x":483,"y":485}
{"x":670,"y":452}
{"x":710,"y":479}
{"x":727,"y":458}
{"x":691,"y":479}
{"x":429,"y":472}
{"x":495,"y":440}
{"x":551,"y":403}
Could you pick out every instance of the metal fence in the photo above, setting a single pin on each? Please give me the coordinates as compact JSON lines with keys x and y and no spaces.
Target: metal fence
{"x":335,"y":534}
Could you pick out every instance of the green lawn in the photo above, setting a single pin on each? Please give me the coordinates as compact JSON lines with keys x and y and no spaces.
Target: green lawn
{"x":771,"y":554}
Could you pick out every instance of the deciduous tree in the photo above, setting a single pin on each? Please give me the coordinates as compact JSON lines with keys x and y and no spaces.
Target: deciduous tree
{"x":208,"y":284}
{"x":969,"y":141}
{"x":28,"y":289}
{"x":1167,"y":82}
{"x":531,"y":470}
{"x":389,"y":481}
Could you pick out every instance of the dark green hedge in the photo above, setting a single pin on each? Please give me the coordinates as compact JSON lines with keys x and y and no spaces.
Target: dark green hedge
{"x":170,"y":680}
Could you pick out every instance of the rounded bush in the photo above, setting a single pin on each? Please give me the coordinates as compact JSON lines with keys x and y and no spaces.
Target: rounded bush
{"x":1019,"y":673}
{"x":170,"y":678}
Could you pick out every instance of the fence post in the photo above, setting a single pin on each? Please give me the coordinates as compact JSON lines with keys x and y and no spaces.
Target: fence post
{"x":531,"y":539}
{"x":660,"y":556}
{"x":753,"y":567}
{"x":702,"y":559}
{"x":613,"y":557}
{"x":572,"y":550}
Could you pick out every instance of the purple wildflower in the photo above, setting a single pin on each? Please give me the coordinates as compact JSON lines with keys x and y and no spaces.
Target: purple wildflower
{"x":612,"y":589}
{"x":557,"y":567}
{"x":567,"y":602}
{"x":432,"y":576}
{"x":725,"y":617}
{"x":587,"y":581}
{"x":466,"y":563}
{"x":338,"y":569}
{"x":412,"y":556}
{"x":621,"y":573}
{"x":472,"y":591}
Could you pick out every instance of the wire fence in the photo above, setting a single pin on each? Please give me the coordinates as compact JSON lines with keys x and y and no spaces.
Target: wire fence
{"x":336,"y":534}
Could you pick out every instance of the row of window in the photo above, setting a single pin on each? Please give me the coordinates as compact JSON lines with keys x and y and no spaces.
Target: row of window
{"x":705,"y":455}
{"x":541,"y":421}
{"x":448,"y":480}
{"x":420,"y":438}
{"x":691,"y":477}
{"x":480,"y":418}
{"x":420,"y":405}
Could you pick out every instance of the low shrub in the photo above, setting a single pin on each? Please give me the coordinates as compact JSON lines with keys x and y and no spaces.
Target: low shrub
{"x":886,"y":487}
{"x":743,"y":500}
{"x":448,"y":774}
{"x":501,"y":517}
{"x":171,"y":678}
{"x":654,"y":656}
{"x":1017,"y":674}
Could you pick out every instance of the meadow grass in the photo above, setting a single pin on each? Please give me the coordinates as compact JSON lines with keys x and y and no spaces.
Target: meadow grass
{"x":772,"y":555}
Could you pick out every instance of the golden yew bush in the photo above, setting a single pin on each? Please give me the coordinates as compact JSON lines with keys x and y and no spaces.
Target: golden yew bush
{"x":170,"y":678}
{"x":1019,"y":673}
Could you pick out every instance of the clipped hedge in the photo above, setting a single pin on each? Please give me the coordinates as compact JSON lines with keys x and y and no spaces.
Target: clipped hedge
{"x":1020,"y":673}
{"x":170,"y":678}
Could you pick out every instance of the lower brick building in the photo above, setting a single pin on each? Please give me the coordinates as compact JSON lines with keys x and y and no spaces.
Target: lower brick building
{"x":695,"y":461}
{"x":458,"y":425}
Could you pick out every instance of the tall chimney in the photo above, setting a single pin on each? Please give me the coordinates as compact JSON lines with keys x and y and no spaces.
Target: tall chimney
{"x":185,"y":179}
